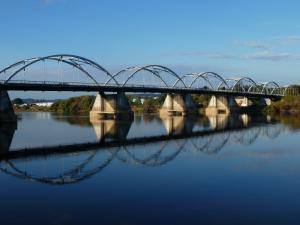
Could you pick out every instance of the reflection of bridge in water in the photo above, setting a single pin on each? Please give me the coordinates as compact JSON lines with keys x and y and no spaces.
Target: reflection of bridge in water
{"x":74,"y":163}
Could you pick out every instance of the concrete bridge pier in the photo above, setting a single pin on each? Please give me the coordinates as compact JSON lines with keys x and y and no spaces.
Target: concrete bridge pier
{"x":221,"y":105}
{"x":114,"y":106}
{"x":262,"y":101}
{"x":243,"y":101}
{"x":7,"y":113}
{"x":178,"y":105}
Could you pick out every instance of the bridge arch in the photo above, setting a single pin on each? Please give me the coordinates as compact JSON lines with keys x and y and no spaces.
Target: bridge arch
{"x":206,"y":77}
{"x":209,"y":75}
{"x":270,"y":87}
{"x":238,"y":84}
{"x":287,"y":89}
{"x":71,"y":60}
{"x":155,"y":70}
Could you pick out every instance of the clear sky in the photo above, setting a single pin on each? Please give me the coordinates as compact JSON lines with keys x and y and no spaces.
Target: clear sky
{"x":257,"y":38}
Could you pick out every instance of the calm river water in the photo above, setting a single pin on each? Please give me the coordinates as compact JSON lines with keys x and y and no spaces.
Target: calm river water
{"x":58,"y":169}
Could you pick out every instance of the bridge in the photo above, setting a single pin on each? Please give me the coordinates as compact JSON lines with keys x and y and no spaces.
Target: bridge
{"x":64,"y":72}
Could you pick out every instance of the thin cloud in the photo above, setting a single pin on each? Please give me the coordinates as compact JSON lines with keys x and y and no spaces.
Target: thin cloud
{"x":292,"y":39}
{"x":213,"y":55}
{"x":271,"y":56}
{"x":189,"y":68}
{"x":266,"y":55}
{"x":256,"y":45}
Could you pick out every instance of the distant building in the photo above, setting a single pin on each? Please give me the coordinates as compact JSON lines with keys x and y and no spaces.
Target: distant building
{"x":44,"y":104}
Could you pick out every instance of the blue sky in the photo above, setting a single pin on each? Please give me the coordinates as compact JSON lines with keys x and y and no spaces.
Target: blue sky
{"x":260,"y":39}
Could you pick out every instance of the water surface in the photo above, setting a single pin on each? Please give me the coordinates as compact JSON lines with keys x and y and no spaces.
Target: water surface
{"x":58,"y":169}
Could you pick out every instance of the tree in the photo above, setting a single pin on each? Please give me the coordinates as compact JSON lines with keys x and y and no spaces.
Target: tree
{"x":18,"y":101}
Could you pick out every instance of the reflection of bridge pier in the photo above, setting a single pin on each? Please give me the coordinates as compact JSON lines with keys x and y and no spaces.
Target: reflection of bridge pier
{"x":223,"y":121}
{"x":111,"y":106}
{"x":111,"y":129}
{"x":179,"y":124}
{"x":218,"y":121}
{"x":7,"y":131}
{"x":6,"y":109}
{"x":179,"y":104}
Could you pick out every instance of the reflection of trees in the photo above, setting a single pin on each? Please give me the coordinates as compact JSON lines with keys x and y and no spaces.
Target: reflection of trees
{"x":137,"y":119}
{"x":290,"y":120}
{"x":150,"y":117}
{"x":80,"y":120}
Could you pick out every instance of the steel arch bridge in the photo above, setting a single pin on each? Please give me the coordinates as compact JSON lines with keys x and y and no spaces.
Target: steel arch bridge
{"x":150,"y":78}
{"x":93,"y":161}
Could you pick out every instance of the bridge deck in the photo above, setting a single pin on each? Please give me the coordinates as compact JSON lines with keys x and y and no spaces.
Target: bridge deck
{"x":82,"y":87}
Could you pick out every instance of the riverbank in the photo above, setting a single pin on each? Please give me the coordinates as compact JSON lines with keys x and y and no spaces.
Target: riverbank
{"x":32,"y":108}
{"x":287,"y":105}
{"x":84,"y":104}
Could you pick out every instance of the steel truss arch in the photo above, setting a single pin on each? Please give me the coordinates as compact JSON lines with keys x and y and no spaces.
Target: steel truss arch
{"x":206,"y":76}
{"x":273,"y":84}
{"x":238,"y":81}
{"x":165,"y":77}
{"x":153,"y":69}
{"x":72,"y":60}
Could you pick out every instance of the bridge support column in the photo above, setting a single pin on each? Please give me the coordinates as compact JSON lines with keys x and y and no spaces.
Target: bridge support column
{"x":178,"y":104}
{"x":6,"y":109}
{"x":243,"y":101}
{"x":221,"y":105}
{"x":263,"y":102}
{"x":111,"y":106}
{"x":268,"y":101}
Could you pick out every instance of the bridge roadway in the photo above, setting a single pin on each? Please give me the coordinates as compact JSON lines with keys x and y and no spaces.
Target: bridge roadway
{"x":92,"y":87}
{"x":74,"y":148}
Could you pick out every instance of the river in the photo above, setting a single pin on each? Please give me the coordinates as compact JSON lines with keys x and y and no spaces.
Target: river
{"x":61,"y":169}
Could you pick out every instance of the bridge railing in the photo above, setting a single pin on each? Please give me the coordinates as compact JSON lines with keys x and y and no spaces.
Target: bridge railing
{"x":66,"y":84}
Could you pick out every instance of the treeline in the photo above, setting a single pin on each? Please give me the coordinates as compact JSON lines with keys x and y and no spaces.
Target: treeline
{"x":81,"y":104}
{"x":153,"y":104}
{"x":148,"y":104}
{"x":288,"y":104}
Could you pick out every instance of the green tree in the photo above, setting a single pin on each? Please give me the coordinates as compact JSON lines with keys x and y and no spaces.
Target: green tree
{"x":18,"y":101}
